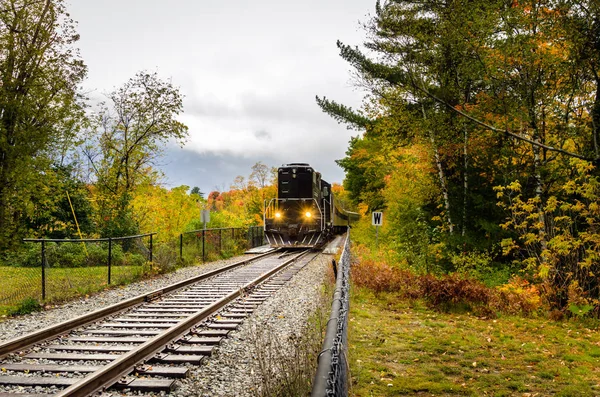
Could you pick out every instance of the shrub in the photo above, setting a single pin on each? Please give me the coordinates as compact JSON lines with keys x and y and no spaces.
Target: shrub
{"x":448,"y":292}
{"x":558,"y":235}
{"x":97,"y":254}
{"x":164,"y":259}
{"x":65,"y":255}
{"x":455,"y":289}
{"x":26,"y":306}
{"x":381,"y":277}
{"x":71,"y":255}
{"x":133,"y":259}
{"x":472,"y":264}
{"x":28,"y":256}
{"x":518,"y":296}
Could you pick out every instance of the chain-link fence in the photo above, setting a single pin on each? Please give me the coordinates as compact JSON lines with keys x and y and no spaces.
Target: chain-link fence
{"x":51,"y":270}
{"x":332,"y":371}
{"x":210,"y":244}
{"x":57,"y":269}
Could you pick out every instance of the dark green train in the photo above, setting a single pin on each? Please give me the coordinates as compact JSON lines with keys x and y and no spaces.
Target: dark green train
{"x":305,"y":213}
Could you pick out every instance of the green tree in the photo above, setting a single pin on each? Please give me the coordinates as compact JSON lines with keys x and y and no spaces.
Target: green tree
{"x":49,"y":212}
{"x":130,"y":135}
{"x":40,"y":108}
{"x":196,"y":190}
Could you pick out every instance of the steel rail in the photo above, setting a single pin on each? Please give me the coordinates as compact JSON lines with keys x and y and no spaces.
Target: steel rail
{"x":111,"y":373}
{"x":53,"y":331}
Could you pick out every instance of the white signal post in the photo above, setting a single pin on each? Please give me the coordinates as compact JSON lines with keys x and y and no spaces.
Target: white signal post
{"x":377,"y":220}
{"x":205,"y":217}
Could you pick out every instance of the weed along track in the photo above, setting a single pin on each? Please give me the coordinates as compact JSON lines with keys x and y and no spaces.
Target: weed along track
{"x":144,"y":344}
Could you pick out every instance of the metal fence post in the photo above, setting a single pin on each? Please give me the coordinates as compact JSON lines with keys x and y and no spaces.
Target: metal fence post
{"x":203,"y":245}
{"x":334,"y":268}
{"x":43,"y":270}
{"x":109,"y":258}
{"x":150,"y":248}
{"x":181,"y":246}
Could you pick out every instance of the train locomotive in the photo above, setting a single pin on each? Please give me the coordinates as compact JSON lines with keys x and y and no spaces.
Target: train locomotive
{"x":305,"y":213}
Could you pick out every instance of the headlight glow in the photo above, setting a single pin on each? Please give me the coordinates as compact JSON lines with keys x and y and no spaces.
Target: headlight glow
{"x":308,"y":214}
{"x":278,"y":215}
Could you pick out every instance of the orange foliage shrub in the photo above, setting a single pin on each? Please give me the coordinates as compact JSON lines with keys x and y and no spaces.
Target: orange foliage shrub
{"x":518,"y":296}
{"x":381,"y":277}
{"x":442,"y":293}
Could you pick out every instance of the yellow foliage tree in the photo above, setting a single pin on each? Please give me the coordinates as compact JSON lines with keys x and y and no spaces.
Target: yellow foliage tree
{"x":165,"y":211}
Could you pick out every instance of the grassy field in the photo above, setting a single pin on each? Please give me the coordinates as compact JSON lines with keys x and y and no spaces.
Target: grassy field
{"x":403,"y":348}
{"x":19,"y":283}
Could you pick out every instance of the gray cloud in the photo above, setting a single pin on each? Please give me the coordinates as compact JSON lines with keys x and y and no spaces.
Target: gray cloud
{"x":262,"y":135}
{"x":249,"y":72}
{"x":210,"y":171}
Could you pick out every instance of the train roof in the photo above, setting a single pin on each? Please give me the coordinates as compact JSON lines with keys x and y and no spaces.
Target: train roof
{"x":295,"y":165}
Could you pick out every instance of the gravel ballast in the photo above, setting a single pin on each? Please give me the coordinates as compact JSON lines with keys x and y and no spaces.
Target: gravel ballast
{"x":233,"y":369}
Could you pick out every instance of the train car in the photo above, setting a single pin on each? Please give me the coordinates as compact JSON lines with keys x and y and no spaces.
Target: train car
{"x":305,"y":212}
{"x":342,"y":218}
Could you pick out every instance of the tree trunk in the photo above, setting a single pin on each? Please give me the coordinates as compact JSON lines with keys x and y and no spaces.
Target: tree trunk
{"x":539,"y":190}
{"x":443,"y":183}
{"x":441,"y":175}
{"x":465,"y":180}
{"x":3,"y":204}
{"x":596,"y":118}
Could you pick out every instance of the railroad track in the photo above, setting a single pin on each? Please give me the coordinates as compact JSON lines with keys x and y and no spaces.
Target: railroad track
{"x":145,"y":343}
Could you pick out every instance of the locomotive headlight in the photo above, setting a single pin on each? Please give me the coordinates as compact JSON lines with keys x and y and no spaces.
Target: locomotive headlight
{"x":308,"y":214}
{"x":278,"y":215}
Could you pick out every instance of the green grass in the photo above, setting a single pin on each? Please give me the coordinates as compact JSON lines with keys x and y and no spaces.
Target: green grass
{"x":17,"y":284}
{"x":403,"y":348}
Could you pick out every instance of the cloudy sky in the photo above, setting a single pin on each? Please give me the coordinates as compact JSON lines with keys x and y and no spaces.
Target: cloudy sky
{"x":249,"y":71}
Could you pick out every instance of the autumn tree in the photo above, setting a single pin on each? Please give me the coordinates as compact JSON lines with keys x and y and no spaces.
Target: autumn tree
{"x":419,"y":40}
{"x":40,"y":108}
{"x":510,"y":99}
{"x":164,"y":211}
{"x":130,"y":133}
